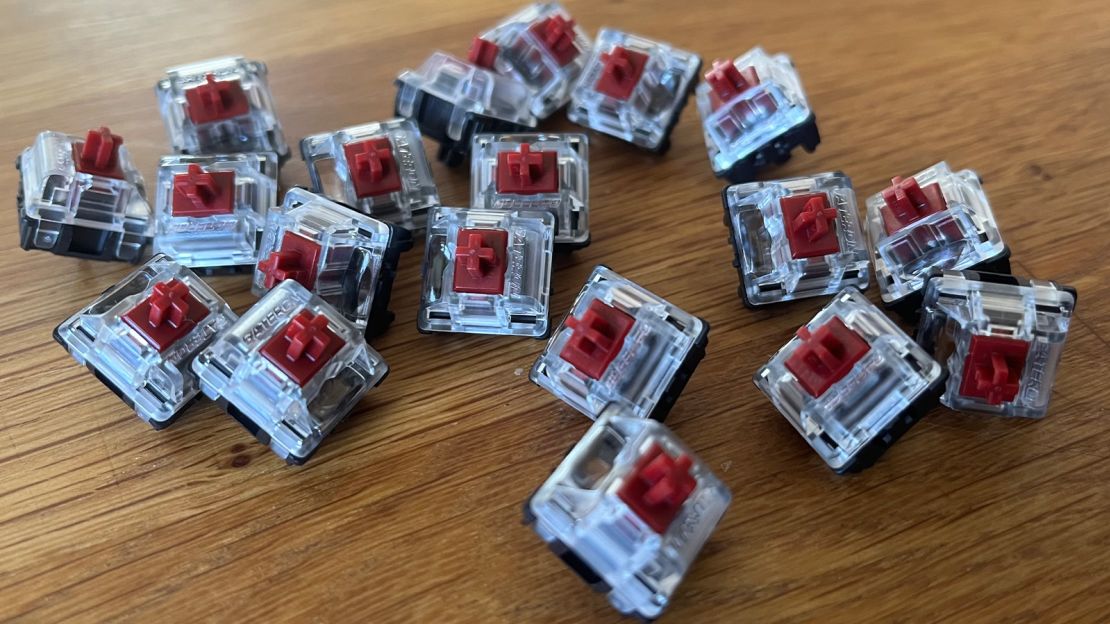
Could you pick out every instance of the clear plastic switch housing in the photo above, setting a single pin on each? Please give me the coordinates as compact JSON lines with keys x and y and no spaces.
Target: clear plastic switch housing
{"x":548,"y":172}
{"x":540,"y":46}
{"x":83,"y":197}
{"x":851,"y":382}
{"x":629,"y":508}
{"x":140,"y":336}
{"x":451,"y":100}
{"x":379,"y":168}
{"x":796,"y":238}
{"x":210,"y":210}
{"x":1000,"y":338}
{"x":621,"y":345}
{"x":220,"y":106}
{"x":936,"y":219}
{"x":346,"y":258}
{"x":487,"y":272}
{"x":754,"y":112}
{"x":289,"y":370}
{"x":633,"y":88}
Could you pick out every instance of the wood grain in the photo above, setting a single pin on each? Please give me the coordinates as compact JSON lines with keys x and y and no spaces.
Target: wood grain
{"x":410,"y":511}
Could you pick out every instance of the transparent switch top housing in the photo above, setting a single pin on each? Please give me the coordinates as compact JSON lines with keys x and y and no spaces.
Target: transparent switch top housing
{"x":1000,"y":338}
{"x":851,"y":382}
{"x":633,"y":88}
{"x":796,"y":238}
{"x":346,"y":258}
{"x":548,"y":172}
{"x":487,"y":272}
{"x":140,"y":336}
{"x":541,"y":47}
{"x":621,"y":346}
{"x":210,"y":210}
{"x":220,"y":106}
{"x":629,"y":508}
{"x":749,"y":103}
{"x":936,"y":219}
{"x":289,"y":370}
{"x":83,"y":197}
{"x":378,"y":168}
{"x":451,"y":100}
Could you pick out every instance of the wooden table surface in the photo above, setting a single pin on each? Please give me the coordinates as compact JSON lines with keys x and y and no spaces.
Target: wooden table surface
{"x":410,"y":512}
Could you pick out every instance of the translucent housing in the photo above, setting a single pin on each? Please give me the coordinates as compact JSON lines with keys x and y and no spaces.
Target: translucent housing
{"x":633,"y":88}
{"x":210,"y":210}
{"x":548,"y":172}
{"x":346,"y":258}
{"x":220,"y":106}
{"x":452,"y":100}
{"x":71,"y":205}
{"x":1000,"y":338}
{"x":541,"y":47}
{"x":796,"y":238}
{"x":378,"y":168}
{"x":748,"y":103}
{"x":849,"y":379}
{"x":289,"y":370}
{"x":140,"y":336}
{"x":629,"y":508}
{"x":956,"y":230}
{"x":487,"y":272}
{"x":622,"y":346}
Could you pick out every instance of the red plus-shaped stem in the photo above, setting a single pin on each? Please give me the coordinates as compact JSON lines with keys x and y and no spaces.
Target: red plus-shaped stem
{"x":476,"y":255}
{"x":825,"y":355}
{"x":666,"y":479}
{"x":596,"y":338}
{"x":215,"y":100}
{"x":813,"y":221}
{"x":199,"y":186}
{"x":307,"y":336}
{"x":596,"y":333}
{"x":526,"y":165}
{"x":372,"y":161}
{"x":99,"y":149}
{"x":618,"y":65}
{"x":621,"y":72}
{"x":727,"y":81}
{"x":169,"y":303}
{"x":282,"y":265}
{"x":658,"y":486}
{"x":907,"y":201}
{"x":558,"y":33}
{"x":215,"y":96}
{"x":993,"y":377}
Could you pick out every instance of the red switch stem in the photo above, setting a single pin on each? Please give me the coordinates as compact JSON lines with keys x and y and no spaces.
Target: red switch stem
{"x":620,"y":72}
{"x":825,"y":355}
{"x":216,"y":100}
{"x":727,"y":81}
{"x":303,"y":347}
{"x":98,"y":154}
{"x":527,"y":172}
{"x":166,"y":315}
{"x":810,"y":225}
{"x":556,"y":33}
{"x":480,"y":261}
{"x":596,"y":338}
{"x":657,"y":487}
{"x":372,"y":167}
{"x":906,"y":202}
{"x":200,"y":193}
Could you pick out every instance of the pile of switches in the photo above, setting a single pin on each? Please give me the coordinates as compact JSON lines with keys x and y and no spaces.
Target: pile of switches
{"x":630,"y":506}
